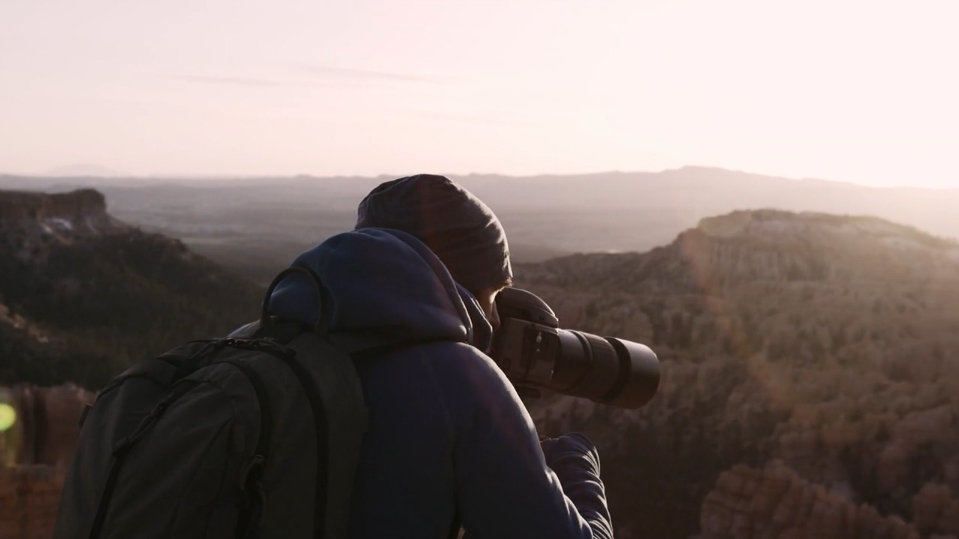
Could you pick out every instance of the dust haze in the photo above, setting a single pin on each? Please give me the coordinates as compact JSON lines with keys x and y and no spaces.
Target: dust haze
{"x":257,"y":225}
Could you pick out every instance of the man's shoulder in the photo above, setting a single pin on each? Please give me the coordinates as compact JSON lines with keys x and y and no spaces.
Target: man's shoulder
{"x":456,"y":355}
{"x":466,"y":369}
{"x":452,"y":362}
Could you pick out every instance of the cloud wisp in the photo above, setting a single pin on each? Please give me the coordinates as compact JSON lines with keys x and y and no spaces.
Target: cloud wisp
{"x":252,"y":82}
{"x":325,"y":74}
{"x":364,"y":74}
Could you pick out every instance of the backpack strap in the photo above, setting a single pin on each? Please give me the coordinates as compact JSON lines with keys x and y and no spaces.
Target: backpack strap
{"x":345,"y":346}
{"x":284,"y":331}
{"x":252,"y":486}
{"x":267,"y":320}
{"x":321,"y":428}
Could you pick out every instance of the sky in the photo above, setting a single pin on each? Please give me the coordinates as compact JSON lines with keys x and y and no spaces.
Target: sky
{"x":847,"y":90}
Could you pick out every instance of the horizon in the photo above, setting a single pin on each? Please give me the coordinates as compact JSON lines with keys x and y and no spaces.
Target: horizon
{"x":128,"y":179}
{"x":851,"y":92}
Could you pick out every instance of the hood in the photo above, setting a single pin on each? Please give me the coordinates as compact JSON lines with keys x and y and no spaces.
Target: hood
{"x":381,"y":286}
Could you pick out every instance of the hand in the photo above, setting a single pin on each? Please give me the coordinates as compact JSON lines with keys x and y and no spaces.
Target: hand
{"x":568,"y":446}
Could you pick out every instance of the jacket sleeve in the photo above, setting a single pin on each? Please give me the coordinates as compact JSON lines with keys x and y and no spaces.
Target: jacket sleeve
{"x":575,"y":460}
{"x":504,"y":486}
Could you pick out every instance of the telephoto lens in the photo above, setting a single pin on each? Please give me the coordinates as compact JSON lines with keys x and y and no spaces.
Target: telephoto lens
{"x":535,"y":353}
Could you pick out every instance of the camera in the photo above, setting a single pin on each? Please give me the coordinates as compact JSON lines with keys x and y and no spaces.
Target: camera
{"x":535,"y":353}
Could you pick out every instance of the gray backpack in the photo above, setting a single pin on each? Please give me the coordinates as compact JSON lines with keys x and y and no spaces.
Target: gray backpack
{"x":233,"y":437}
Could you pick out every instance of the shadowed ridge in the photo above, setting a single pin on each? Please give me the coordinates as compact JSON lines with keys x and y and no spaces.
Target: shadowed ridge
{"x":82,"y":294}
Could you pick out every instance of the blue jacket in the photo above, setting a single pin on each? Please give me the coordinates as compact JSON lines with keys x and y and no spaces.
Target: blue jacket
{"x":449,"y":441}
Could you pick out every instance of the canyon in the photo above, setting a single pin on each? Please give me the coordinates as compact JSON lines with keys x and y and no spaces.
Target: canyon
{"x":810,"y":373}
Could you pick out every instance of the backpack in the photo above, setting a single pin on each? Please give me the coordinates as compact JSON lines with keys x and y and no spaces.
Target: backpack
{"x":251,"y":436}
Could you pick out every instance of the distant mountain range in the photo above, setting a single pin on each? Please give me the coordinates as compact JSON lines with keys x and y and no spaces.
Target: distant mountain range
{"x":82,"y":170}
{"x":256,"y":225}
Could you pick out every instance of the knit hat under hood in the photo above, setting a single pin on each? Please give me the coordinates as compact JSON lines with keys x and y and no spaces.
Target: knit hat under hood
{"x":462,"y":231}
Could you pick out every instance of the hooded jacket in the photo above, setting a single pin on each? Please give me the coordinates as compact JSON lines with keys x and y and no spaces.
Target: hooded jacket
{"x":449,"y":442}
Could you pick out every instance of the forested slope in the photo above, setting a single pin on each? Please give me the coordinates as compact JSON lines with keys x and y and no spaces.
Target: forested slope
{"x":82,"y":295}
{"x":825,"y":343}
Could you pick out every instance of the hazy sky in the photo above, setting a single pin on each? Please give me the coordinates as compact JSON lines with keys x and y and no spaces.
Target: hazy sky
{"x":859,"y":91}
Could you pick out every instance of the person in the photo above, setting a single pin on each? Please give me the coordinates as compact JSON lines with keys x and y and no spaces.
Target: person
{"x":449,"y":443}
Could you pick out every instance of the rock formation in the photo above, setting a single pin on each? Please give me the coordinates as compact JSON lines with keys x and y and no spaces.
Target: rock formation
{"x":28,"y":205}
{"x":825,"y":342}
{"x":775,"y":502}
{"x":34,"y":456}
{"x":30,"y":221}
{"x":29,"y":496}
{"x":47,"y":424}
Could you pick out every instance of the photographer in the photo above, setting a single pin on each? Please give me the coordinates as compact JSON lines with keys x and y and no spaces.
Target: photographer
{"x":449,"y":442}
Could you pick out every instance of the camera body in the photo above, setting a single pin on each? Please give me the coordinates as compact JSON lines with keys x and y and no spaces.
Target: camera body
{"x":534,"y":352}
